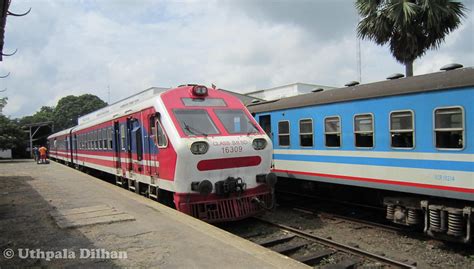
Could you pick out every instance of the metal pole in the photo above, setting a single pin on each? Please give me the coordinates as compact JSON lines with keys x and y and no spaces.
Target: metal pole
{"x":31,"y":144}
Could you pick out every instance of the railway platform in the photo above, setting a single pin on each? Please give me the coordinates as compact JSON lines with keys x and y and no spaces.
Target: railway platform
{"x":54,"y":216}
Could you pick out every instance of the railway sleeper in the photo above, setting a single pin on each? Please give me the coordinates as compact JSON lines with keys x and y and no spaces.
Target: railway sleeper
{"x":288,"y":247}
{"x":314,"y":258}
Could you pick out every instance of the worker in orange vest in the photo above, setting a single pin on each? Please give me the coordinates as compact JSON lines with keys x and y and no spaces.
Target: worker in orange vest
{"x":42,"y":152}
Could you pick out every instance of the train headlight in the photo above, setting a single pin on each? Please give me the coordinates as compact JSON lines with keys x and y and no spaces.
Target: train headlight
{"x":200,"y":90}
{"x":259,"y":143}
{"x":199,"y":148}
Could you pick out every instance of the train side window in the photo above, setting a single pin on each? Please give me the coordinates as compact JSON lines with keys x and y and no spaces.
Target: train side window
{"x":122,"y":136}
{"x":449,"y":128}
{"x":332,"y":132}
{"x":104,"y":138}
{"x":99,"y":138}
{"x":402,"y":129}
{"x":109,"y":136}
{"x":306,"y":133}
{"x":96,"y":140}
{"x":284,"y":133}
{"x":89,"y":141}
{"x":162,"y":140}
{"x":364,"y":131}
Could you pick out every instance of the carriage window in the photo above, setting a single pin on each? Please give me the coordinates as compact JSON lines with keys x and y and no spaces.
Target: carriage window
{"x":306,"y":133}
{"x":236,"y":121}
{"x":96,"y":140}
{"x":284,"y":133}
{"x":332,"y":132}
{"x":109,"y":136}
{"x":104,"y":138}
{"x":89,"y":143}
{"x":195,"y":122}
{"x":99,"y":137}
{"x":449,"y":128}
{"x":401,"y":129}
{"x":364,"y":131}
{"x":122,"y":136}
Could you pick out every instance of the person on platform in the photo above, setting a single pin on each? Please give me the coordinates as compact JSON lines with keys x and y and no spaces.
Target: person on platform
{"x":43,"y":150}
{"x":36,"y":153}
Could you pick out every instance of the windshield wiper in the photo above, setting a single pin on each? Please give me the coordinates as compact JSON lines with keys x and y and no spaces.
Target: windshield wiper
{"x":190,"y":129}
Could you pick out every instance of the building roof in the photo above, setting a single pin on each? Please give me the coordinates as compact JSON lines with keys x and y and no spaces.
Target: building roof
{"x":423,"y":83}
{"x":246,"y":100}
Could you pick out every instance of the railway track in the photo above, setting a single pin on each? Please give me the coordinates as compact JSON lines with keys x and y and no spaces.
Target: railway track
{"x":317,"y":251}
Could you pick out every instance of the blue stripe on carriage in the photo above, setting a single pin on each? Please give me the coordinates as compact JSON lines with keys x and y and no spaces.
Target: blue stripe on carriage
{"x":402,"y":163}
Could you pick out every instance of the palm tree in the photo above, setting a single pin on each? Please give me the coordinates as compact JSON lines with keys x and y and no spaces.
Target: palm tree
{"x":411,"y":27}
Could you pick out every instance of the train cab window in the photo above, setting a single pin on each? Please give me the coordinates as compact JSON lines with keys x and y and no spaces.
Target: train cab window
{"x":161,"y":139}
{"x":306,"y":133}
{"x":195,"y":122}
{"x":449,"y":128}
{"x":401,"y":129}
{"x":332,"y":132}
{"x":284,"y":133}
{"x":122,"y":136}
{"x":236,"y":121}
{"x":364,"y":131}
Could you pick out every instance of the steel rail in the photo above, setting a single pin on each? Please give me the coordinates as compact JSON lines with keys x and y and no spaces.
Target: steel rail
{"x":339,"y":246}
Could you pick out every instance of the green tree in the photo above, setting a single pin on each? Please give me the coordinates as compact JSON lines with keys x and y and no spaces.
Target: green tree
{"x":46,"y":113}
{"x":410,"y":27}
{"x":3,"y":103}
{"x":70,"y":108}
{"x":11,"y":134}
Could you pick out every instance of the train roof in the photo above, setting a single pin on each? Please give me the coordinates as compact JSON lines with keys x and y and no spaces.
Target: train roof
{"x":424,"y":83}
{"x":121,"y":105}
{"x":60,"y":133}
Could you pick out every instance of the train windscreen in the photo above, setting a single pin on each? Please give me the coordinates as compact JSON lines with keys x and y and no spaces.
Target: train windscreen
{"x":236,"y":121}
{"x":195,"y":122}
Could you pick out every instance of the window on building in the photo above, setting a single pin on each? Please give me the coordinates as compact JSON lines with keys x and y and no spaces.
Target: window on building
{"x":284,"y":133}
{"x":449,"y":128}
{"x":332,"y":132}
{"x":306,"y":133}
{"x":402,"y":129}
{"x":364,"y":131}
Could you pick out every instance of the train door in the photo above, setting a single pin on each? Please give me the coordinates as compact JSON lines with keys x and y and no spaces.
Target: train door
{"x":266,"y":124}
{"x":117,"y":147}
{"x":151,"y":148}
{"x":128,"y":145}
{"x":74,"y":150}
{"x":136,"y":140}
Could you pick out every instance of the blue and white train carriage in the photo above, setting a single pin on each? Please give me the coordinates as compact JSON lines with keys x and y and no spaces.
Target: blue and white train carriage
{"x":410,"y":137}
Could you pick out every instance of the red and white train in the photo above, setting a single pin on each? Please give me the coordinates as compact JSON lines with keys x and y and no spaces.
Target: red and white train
{"x":194,"y":148}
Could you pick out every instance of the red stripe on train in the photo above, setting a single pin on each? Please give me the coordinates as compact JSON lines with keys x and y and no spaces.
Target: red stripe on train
{"x":225,"y":163}
{"x":381,"y":181}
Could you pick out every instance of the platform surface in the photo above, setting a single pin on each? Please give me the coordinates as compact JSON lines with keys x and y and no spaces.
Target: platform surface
{"x":59,"y":211}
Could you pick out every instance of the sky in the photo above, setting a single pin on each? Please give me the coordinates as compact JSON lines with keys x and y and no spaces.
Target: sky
{"x":114,"y":49}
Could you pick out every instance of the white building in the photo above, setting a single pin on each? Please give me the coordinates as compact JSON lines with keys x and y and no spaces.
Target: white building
{"x":287,"y":91}
{"x":6,"y":154}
